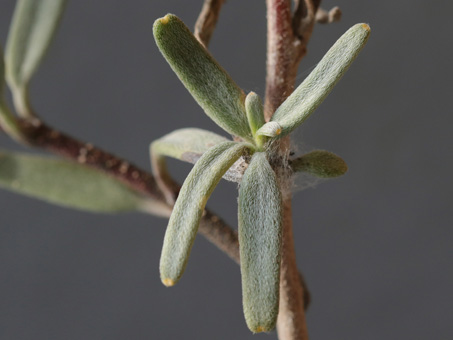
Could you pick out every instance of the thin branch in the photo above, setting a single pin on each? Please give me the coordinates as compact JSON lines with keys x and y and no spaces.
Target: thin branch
{"x":288,"y":36}
{"x":291,"y":323}
{"x":279,"y":65}
{"x":42,"y":136}
{"x":207,"y":20}
{"x":328,"y":17}
{"x":38,"y":134}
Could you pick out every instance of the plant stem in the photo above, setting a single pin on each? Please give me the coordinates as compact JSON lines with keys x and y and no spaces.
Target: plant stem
{"x":207,"y":20}
{"x":291,"y":322}
{"x":287,"y":37}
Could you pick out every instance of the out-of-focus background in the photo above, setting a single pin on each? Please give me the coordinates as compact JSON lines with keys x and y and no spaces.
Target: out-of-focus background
{"x":374,"y":245}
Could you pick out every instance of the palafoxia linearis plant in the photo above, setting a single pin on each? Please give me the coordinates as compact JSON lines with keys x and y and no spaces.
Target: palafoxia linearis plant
{"x":257,"y":157}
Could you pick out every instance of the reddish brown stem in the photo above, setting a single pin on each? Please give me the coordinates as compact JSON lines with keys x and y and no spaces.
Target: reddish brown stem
{"x":288,"y":36}
{"x":41,"y":135}
{"x":279,"y":69}
{"x":207,"y":20}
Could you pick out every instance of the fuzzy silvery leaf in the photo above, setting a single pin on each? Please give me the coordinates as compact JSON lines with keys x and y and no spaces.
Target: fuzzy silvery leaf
{"x":210,"y":85}
{"x":260,"y":221}
{"x":320,"y":163}
{"x":185,"y":218}
{"x":33,"y":27}
{"x":255,"y":111}
{"x":315,"y":88}
{"x":68,"y":184}
{"x":186,"y":144}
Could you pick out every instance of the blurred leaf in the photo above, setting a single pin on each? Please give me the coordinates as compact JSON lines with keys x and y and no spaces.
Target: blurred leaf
{"x":32,"y":29}
{"x":320,"y":163}
{"x":260,"y":221}
{"x":185,"y":218}
{"x":210,"y":85}
{"x":7,"y":120}
{"x":315,"y":88}
{"x":2,"y":74}
{"x":66,"y":183}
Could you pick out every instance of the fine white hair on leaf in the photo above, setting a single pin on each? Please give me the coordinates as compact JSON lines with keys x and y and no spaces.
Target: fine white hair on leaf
{"x":315,"y":88}
{"x":210,"y":85}
{"x":188,"y":210}
{"x":260,"y":218}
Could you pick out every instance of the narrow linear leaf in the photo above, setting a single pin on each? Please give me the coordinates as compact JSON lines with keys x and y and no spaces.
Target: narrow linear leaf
{"x":260,"y":221}
{"x":210,"y":85}
{"x":7,"y":120}
{"x":255,"y":111}
{"x":32,"y":29}
{"x":189,"y":207}
{"x":66,"y":183}
{"x":186,"y":144}
{"x":320,"y":163}
{"x":315,"y":88}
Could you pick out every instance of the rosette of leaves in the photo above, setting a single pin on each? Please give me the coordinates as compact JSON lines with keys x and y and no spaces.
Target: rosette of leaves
{"x":249,"y":159}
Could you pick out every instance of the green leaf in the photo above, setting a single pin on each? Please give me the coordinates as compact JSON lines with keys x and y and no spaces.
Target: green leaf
{"x":210,"y":85}
{"x":33,"y":27}
{"x":67,"y":183}
{"x":7,"y":120}
{"x":320,"y":163}
{"x":189,"y":207}
{"x":255,"y":111}
{"x":315,"y":88}
{"x":186,"y":144}
{"x":260,"y":223}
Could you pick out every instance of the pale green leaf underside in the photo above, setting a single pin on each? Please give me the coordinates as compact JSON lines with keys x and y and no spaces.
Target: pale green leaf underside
{"x":186,"y":144}
{"x":210,"y":85}
{"x":33,"y":27}
{"x":315,"y":88}
{"x":260,"y":220}
{"x":189,"y":207}
{"x":65,"y":183}
{"x":320,"y":163}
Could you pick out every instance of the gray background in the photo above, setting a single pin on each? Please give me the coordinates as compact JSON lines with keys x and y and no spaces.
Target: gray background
{"x":375,"y":245}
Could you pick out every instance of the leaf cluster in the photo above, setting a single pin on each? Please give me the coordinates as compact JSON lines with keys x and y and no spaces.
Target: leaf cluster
{"x":260,"y":196}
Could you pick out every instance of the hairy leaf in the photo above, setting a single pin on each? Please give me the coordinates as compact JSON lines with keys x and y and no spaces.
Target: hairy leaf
{"x":210,"y":85}
{"x":189,"y":207}
{"x":255,"y":111}
{"x":315,"y":88}
{"x":260,"y":221}
{"x":33,"y":27}
{"x":66,"y":183}
{"x":320,"y":163}
{"x":186,"y":144}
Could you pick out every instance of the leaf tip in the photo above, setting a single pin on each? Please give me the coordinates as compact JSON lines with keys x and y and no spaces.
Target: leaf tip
{"x":164,"y":20}
{"x":168,"y":282}
{"x":366,"y":27}
{"x":270,"y":129}
{"x":260,"y":329}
